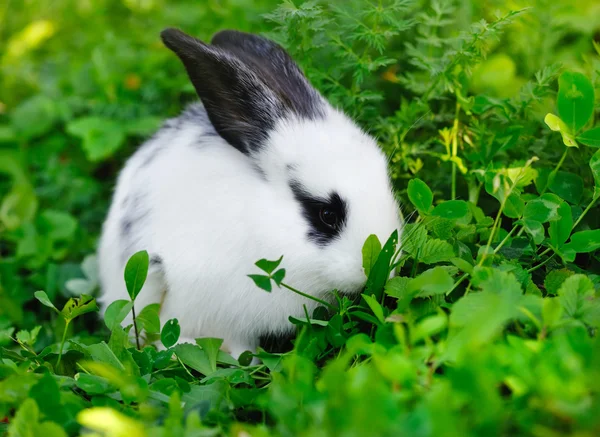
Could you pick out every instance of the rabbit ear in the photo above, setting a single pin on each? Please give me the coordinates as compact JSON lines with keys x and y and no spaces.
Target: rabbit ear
{"x":240,"y":106}
{"x":279,"y":71}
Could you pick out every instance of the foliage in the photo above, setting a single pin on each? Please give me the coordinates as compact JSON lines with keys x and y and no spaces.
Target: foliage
{"x":488,"y":112}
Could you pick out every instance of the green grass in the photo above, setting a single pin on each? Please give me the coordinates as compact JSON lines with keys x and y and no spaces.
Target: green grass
{"x":488,"y":112}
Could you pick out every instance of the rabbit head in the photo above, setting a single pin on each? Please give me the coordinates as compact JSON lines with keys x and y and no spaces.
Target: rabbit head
{"x":317,"y":159}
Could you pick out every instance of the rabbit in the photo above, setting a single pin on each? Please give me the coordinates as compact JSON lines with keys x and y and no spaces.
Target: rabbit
{"x":262,"y":167}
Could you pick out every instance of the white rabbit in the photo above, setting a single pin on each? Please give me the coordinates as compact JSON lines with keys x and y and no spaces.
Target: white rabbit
{"x":264,"y":167}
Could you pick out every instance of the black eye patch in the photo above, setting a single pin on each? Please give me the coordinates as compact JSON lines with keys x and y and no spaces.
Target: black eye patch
{"x":326,"y":216}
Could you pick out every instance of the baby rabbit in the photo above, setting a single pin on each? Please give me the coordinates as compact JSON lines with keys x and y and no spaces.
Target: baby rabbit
{"x":264,"y":167}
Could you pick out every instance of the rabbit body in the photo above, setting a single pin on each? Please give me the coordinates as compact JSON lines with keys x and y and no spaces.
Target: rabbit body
{"x":209,"y":195}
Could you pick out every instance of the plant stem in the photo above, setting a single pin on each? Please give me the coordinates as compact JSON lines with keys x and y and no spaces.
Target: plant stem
{"x":454,"y":150}
{"x":184,"y":366}
{"x":135,"y":328}
{"x":474,"y":189}
{"x":585,"y":211}
{"x":413,"y":271}
{"x":62,"y":343}
{"x":499,"y":246}
{"x":545,"y":252}
{"x":453,"y":188}
{"x":492,"y":232}
{"x":499,"y":215}
{"x":543,"y":263}
{"x":553,"y":172}
{"x":308,"y":296}
{"x":460,"y":280}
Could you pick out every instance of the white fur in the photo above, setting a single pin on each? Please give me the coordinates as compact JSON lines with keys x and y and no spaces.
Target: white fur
{"x":210,"y":215}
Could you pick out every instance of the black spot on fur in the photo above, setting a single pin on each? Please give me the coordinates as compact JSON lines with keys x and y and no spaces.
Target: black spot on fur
{"x":135,"y":214}
{"x":196,"y":114}
{"x":156,"y":260}
{"x":319,"y":232}
{"x":126,"y":225}
{"x":278,"y":343}
{"x":246,"y":83}
{"x":151,"y":151}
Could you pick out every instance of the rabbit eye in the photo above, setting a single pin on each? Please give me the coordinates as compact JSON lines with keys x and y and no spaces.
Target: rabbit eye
{"x":329,"y":217}
{"x":325,"y":215}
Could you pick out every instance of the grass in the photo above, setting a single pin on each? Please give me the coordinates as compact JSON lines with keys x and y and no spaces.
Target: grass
{"x":488,"y":113}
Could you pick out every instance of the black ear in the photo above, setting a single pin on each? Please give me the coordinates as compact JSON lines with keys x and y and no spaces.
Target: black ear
{"x":279,"y":71}
{"x":240,"y":106}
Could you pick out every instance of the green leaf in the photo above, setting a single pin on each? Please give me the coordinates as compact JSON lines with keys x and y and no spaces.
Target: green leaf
{"x":35,"y":116}
{"x":44,"y":299}
{"x":442,"y":228}
{"x":268,"y":266}
{"x":278,"y":276}
{"x":542,"y":209}
{"x":420,"y":195}
{"x":28,"y":337}
{"x":170,"y":333}
{"x":462,"y":264}
{"x":496,"y":281}
{"x":568,"y":186}
{"x":414,"y":237}
{"x":19,"y":205}
{"x":575,"y":294}
{"x":584,"y":241}
{"x":535,"y":229}
{"x":211,"y":346}
{"x":428,"y":327}
{"x":566,"y":253}
{"x":262,"y":282}
{"x":116,"y":312}
{"x":380,"y":271}
{"x":560,"y":229}
{"x":431,"y":282}
{"x":101,"y":137}
{"x":397,"y":286}
{"x":191,"y":355}
{"x":143,"y":126}
{"x":451,"y":209}
{"x":554,"y":280}
{"x":575,"y":100}
{"x":514,"y":206}
{"x":557,"y":125}
{"x":77,"y":306}
{"x":59,"y":226}
{"x":93,"y":385}
{"x":375,"y":307}
{"x":552,"y":311}
{"x":101,"y":353}
{"x":245,"y":358}
{"x":26,"y":423}
{"x":370,"y":252}
{"x":434,"y":251}
{"x":47,"y":395}
{"x":595,"y":167}
{"x":484,"y":313}
{"x":590,"y":137}
{"x":136,"y":272}
{"x":148,"y":319}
